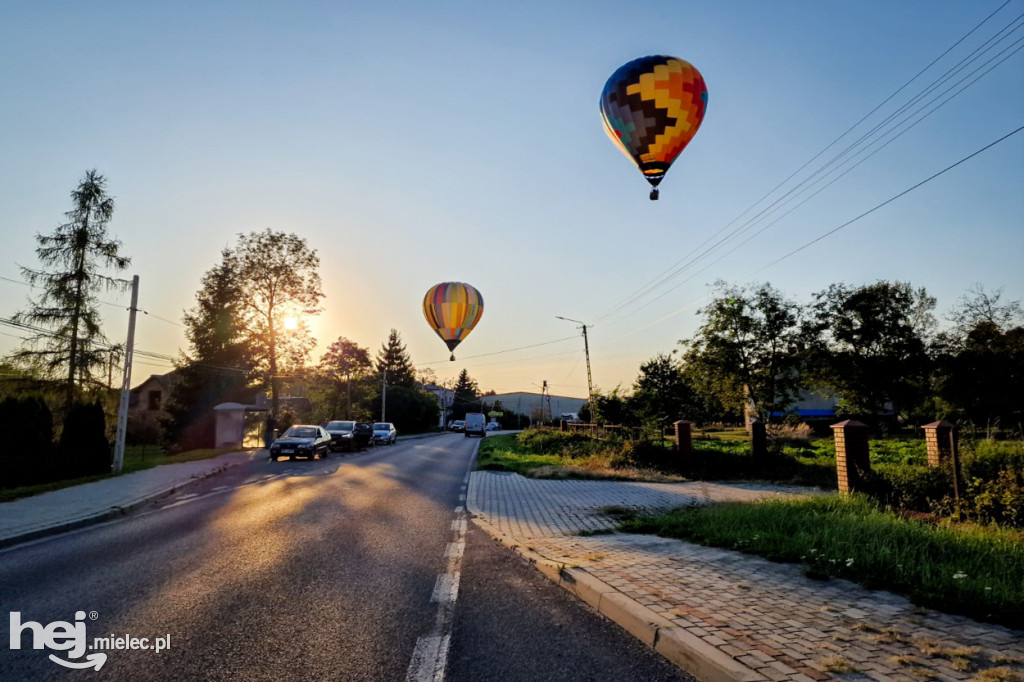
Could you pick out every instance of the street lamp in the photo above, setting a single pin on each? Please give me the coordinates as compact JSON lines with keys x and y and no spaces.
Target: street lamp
{"x":586,"y":350}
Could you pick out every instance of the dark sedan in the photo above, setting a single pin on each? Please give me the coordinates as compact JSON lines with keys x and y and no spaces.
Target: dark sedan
{"x":349,"y":436}
{"x":301,"y":441}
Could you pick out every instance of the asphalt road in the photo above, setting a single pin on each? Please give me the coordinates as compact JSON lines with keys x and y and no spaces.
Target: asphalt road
{"x":311,"y":570}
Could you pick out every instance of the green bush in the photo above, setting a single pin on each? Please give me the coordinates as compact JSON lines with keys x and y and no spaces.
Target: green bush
{"x":566,"y":443}
{"x":908,"y":487}
{"x":27,"y":427}
{"x":644,"y":454}
{"x":83,"y":449}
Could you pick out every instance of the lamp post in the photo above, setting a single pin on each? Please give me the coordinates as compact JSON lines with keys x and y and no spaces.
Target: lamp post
{"x":586,"y":351}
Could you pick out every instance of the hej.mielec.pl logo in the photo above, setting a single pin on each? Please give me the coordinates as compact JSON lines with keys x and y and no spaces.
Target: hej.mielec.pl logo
{"x":71,"y":637}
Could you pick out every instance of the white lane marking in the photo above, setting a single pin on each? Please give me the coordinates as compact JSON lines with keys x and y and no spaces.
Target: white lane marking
{"x":186,"y":496}
{"x":446,"y":589}
{"x":429,"y":659}
{"x":430,"y":656}
{"x":219,"y":487}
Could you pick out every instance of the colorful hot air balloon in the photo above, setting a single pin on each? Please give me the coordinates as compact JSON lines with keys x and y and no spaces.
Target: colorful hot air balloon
{"x":651,"y":108}
{"x":452,"y":309}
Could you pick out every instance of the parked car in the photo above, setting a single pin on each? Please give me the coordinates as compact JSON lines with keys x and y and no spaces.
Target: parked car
{"x":349,"y":436}
{"x":475,"y":422}
{"x":458,"y":426}
{"x":493,"y":426}
{"x":301,"y":440}
{"x":384,"y":432}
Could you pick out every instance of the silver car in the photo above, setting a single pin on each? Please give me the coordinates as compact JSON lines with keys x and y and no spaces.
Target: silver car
{"x":384,"y":432}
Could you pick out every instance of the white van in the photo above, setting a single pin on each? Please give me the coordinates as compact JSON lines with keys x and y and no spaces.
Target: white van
{"x":475,"y":424}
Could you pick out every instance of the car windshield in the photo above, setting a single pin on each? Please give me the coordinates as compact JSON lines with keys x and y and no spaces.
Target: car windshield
{"x":382,"y":426}
{"x":340,"y":426}
{"x":300,"y":432}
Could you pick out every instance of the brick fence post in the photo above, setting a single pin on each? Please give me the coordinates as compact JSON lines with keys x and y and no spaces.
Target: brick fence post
{"x":758,"y":440}
{"x":937,"y":443}
{"x":684,"y":440}
{"x":562,"y":425}
{"x":852,"y":459}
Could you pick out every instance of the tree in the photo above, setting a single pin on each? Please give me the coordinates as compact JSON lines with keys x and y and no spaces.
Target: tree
{"x":750,"y":347}
{"x":393,"y":357}
{"x":343,"y":361}
{"x":871,"y":345}
{"x":978,"y":306}
{"x":412,"y":410}
{"x":278,"y":288}
{"x":611,"y":409}
{"x":980,"y":361}
{"x":72,"y":258}
{"x":220,"y":364}
{"x":661,"y":394}
{"x":465,"y":396}
{"x":981,"y":381}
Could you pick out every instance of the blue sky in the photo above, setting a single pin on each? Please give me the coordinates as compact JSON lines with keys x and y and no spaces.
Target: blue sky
{"x":413,"y":143}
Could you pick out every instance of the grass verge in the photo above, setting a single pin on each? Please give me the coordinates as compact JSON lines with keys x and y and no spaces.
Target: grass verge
{"x":507,"y":452}
{"x":971,"y":570}
{"x":132,"y":462}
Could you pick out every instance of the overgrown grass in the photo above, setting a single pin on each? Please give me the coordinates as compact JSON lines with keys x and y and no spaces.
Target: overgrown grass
{"x":507,"y":453}
{"x":972,"y":570}
{"x":553,"y":454}
{"x":134,"y":460}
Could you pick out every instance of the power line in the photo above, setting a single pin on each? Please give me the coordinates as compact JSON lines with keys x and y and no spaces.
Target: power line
{"x":892,"y":199}
{"x":498,"y":352}
{"x":110,"y":303}
{"x":686,"y":262}
{"x":1002,"y":57}
{"x":830,"y":232}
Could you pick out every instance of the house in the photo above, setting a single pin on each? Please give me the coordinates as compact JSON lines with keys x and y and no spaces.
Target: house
{"x":146,"y":402}
{"x":445,"y":396}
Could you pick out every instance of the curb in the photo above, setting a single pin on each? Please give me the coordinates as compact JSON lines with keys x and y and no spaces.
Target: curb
{"x":114,"y":512}
{"x":683,"y":649}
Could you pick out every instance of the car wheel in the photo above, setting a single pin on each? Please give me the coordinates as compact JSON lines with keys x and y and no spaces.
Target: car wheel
{"x":273,"y":458}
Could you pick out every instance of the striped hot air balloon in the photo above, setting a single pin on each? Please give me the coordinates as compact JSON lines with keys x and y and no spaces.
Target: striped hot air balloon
{"x":452,"y":310}
{"x":651,"y":109}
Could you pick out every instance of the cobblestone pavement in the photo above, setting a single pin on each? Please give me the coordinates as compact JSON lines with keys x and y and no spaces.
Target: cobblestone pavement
{"x":766,"y":615}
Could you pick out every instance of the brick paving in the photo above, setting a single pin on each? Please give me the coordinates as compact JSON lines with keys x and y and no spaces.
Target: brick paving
{"x":768,"y":616}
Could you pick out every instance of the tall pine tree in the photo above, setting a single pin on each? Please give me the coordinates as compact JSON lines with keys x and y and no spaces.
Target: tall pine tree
{"x":72,"y":259}
{"x":393,"y":357}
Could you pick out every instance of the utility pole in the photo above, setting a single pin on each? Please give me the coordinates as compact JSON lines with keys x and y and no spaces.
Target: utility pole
{"x":384,"y":395}
{"x":126,"y":381}
{"x":586,"y":351}
{"x":545,"y":395}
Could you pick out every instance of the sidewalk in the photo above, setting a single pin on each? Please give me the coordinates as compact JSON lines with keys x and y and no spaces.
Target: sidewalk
{"x":82,"y":505}
{"x":722,"y":615}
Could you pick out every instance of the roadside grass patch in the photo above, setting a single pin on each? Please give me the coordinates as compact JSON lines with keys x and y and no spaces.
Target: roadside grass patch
{"x":556,"y":455}
{"x":507,"y":453}
{"x":971,"y":570}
